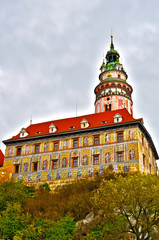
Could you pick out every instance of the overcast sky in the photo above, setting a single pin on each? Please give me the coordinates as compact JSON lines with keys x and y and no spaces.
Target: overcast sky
{"x":51,"y":52}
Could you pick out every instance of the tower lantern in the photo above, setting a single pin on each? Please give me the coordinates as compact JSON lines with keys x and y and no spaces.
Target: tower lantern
{"x":113,"y":92}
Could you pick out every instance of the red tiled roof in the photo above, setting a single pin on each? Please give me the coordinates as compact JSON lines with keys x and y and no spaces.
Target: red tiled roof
{"x":1,"y":158}
{"x":63,"y":125}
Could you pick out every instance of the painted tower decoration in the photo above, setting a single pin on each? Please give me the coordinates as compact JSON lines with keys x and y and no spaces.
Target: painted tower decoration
{"x":113,"y":92}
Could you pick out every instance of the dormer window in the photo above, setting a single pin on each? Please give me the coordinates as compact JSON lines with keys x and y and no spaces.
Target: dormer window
{"x":118,"y":118}
{"x":84,"y":123}
{"x":103,"y":122}
{"x":72,"y":127}
{"x":23,"y":132}
{"x":52,"y":128}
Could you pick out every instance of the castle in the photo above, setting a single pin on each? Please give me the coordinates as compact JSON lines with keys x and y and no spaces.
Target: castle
{"x":62,"y":150}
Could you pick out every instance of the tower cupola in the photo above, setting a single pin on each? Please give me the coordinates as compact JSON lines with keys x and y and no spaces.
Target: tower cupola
{"x":113,"y":92}
{"x":112,"y":55}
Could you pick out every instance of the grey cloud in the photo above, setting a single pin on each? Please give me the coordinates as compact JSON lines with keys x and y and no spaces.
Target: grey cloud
{"x":51,"y":51}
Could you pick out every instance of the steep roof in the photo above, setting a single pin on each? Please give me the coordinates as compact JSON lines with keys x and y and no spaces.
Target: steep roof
{"x":74,"y":124}
{"x":1,"y":158}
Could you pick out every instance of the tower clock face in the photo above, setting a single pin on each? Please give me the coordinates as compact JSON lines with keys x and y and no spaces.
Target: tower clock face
{"x":109,"y":76}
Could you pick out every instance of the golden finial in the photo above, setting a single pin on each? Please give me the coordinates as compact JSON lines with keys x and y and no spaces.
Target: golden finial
{"x":111,"y":33}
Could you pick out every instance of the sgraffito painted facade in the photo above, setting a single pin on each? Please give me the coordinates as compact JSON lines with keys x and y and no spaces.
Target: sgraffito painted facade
{"x":62,"y":150}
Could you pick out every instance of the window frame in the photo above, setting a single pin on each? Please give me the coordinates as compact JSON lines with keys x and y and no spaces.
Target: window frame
{"x":94,"y":140}
{"x":52,"y":164}
{"x":143,"y":141}
{"x":19,"y":147}
{"x":73,"y":159}
{"x":77,"y":143}
{"x":120,"y":157}
{"x":94,"y":160}
{"x":35,"y":146}
{"x":118,"y":138}
{"x":56,"y":142}
{"x":33,"y":167}
{"x":15,"y":168}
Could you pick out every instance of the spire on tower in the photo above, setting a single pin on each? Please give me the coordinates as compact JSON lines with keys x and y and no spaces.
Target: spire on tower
{"x":112,"y":45}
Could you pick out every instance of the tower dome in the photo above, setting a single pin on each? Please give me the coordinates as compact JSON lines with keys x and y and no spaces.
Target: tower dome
{"x":113,"y":92}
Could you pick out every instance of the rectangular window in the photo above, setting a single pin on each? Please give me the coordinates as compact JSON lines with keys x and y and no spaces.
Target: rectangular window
{"x":143,"y":156}
{"x":35,"y":167}
{"x":120,"y":157}
{"x":75,"y":162}
{"x":143,"y":140}
{"x":19,"y":149}
{"x":120,"y":136}
{"x":56,"y":146}
{"x":37,"y":148}
{"x":54,"y":164}
{"x":150,"y":167}
{"x":96,"y":159}
{"x":75,"y":143}
{"x":16,"y":168}
{"x":96,"y":140}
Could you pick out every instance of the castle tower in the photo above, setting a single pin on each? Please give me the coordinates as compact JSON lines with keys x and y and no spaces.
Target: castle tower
{"x":113,"y":92}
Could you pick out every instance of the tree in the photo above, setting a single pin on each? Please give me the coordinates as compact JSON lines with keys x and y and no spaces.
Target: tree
{"x":135,"y":198}
{"x":12,"y":220}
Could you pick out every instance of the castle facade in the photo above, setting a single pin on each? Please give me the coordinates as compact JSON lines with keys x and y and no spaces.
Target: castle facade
{"x":62,"y":150}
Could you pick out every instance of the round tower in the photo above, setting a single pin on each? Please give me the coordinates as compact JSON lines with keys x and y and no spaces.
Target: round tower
{"x":113,"y":92}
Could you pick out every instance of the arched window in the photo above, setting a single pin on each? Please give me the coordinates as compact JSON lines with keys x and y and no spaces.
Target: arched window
{"x":64,"y":162}
{"x":44,"y":164}
{"x":107,"y":157}
{"x":110,"y":107}
{"x":132,"y":154}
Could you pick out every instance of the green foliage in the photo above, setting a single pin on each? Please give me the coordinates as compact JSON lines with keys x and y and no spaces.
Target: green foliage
{"x":11,"y":192}
{"x":12,"y":220}
{"x":111,"y":206}
{"x":60,"y":230}
{"x":135,"y":198}
{"x":45,"y":186}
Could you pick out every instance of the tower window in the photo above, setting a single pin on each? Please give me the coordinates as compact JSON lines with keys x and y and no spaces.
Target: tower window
{"x":106,"y":108}
{"x":110,"y":107}
{"x":119,"y":76}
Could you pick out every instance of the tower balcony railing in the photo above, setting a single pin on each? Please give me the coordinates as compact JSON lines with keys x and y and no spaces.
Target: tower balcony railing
{"x":112,"y":93}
